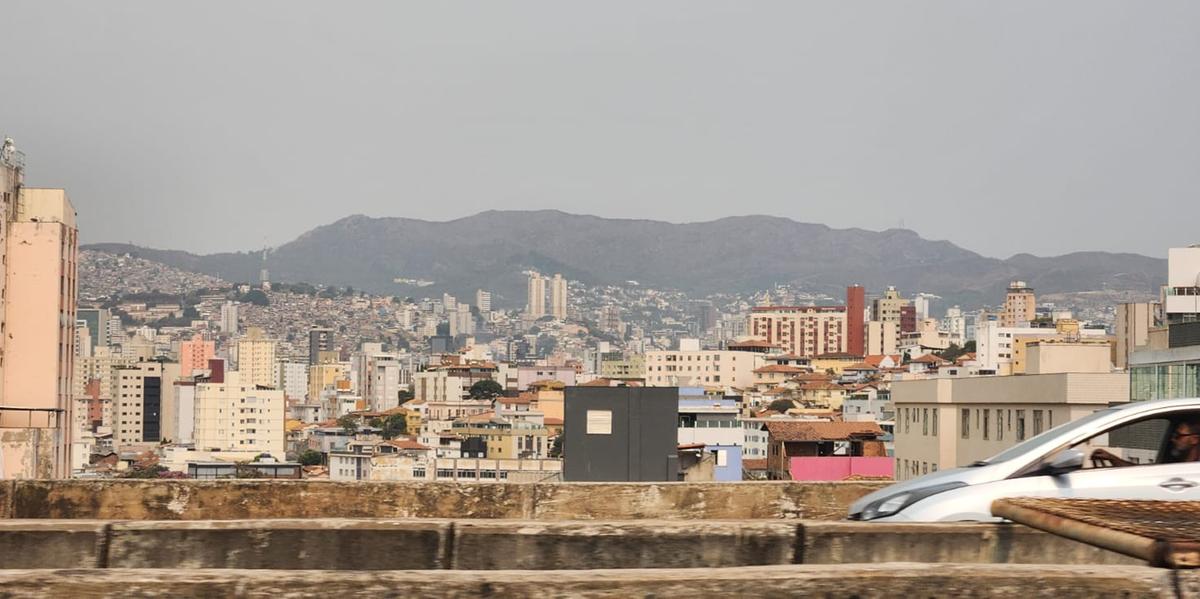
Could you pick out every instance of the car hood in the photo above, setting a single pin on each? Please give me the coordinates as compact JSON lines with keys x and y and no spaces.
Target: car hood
{"x":966,"y":475}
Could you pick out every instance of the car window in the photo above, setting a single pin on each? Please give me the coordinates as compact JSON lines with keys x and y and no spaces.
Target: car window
{"x":1131,"y":444}
{"x":1022,"y":449}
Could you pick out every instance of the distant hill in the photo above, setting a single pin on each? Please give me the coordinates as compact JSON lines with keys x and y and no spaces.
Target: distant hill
{"x":490,"y":250}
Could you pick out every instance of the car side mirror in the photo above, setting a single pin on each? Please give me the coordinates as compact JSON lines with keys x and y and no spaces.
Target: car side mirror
{"x":1066,"y":461}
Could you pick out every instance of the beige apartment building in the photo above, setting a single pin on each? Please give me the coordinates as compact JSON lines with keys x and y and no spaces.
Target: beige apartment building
{"x":702,"y":368}
{"x":804,"y":331}
{"x":256,"y":359}
{"x":38,"y":235}
{"x":1020,"y":306}
{"x":1134,"y":322}
{"x":882,"y":338}
{"x":951,"y":422}
{"x":233,"y":415}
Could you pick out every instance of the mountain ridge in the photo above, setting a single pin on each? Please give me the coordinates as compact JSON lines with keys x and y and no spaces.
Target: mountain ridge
{"x":489,"y":250}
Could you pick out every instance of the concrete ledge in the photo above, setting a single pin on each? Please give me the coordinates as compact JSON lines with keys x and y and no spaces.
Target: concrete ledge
{"x":697,"y":501}
{"x":637,"y":544}
{"x":52,"y":544}
{"x":281,"y":544}
{"x":866,"y":542}
{"x":373,"y":544}
{"x":247,"y":499}
{"x":863,"y":581}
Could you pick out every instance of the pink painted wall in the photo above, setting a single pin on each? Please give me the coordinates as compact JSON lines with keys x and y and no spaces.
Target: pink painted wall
{"x":839,"y":467}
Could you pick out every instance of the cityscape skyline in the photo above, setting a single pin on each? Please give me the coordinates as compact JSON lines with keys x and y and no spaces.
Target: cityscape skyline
{"x":923,"y":117}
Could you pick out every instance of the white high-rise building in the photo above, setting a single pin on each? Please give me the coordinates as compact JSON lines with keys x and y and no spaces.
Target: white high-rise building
{"x":955,"y":324}
{"x":483,"y":301}
{"x":229,"y":318}
{"x":558,"y":297}
{"x":536,"y":305}
{"x":234,"y":415}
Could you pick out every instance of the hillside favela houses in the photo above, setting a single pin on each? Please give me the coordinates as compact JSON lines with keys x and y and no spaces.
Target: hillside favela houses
{"x":117,"y":365}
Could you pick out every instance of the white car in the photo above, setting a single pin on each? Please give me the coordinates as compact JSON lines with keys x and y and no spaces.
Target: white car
{"x":1141,"y":450}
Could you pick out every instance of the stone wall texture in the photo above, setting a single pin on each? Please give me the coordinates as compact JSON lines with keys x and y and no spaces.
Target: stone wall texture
{"x":247,"y":499}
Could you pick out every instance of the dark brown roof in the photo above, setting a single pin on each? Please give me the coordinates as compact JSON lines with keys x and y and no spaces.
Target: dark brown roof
{"x":822,"y":431}
{"x":759,"y":464}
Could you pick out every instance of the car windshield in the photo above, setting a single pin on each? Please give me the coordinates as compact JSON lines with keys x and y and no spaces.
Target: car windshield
{"x":1021,"y":448}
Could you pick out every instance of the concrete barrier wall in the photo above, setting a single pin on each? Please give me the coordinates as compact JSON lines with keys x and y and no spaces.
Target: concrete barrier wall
{"x":861,"y":581}
{"x":339,"y":544}
{"x":248,"y":499}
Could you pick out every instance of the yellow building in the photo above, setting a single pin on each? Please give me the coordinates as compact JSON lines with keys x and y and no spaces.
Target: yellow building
{"x":834,"y":362}
{"x":325,"y":376}
{"x":503,"y":438}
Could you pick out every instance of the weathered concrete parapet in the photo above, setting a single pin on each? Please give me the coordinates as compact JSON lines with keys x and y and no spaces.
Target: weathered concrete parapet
{"x":246,"y":499}
{"x":504,"y":545}
{"x":863,"y":581}
{"x":333,"y":544}
{"x":961,"y":542}
{"x":372,"y":544}
{"x":715,"y":501}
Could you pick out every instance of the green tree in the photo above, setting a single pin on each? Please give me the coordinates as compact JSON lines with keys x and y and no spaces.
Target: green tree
{"x":310,"y":457}
{"x":256,"y":297}
{"x":349,"y":424}
{"x":486,"y":389}
{"x":781,"y":405}
{"x":404,"y":395}
{"x":969,"y":347}
{"x":951,"y":353}
{"x":393,"y":426}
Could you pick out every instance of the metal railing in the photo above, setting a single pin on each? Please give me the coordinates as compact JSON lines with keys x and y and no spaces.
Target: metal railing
{"x":52,"y":418}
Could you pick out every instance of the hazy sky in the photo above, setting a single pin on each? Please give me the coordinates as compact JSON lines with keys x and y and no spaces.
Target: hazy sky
{"x":1002,"y":126}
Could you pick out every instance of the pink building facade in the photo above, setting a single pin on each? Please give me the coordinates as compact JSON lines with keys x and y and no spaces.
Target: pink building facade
{"x":36,"y":404}
{"x":194,"y":354}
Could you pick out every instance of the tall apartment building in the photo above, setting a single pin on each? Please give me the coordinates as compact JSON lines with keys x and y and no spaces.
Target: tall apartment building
{"x":138,"y":403}
{"x":293,"y":379}
{"x":1001,"y":349}
{"x":856,"y":305}
{"x":535,"y":307}
{"x":233,"y":414}
{"x":195,"y":353}
{"x":38,"y":249}
{"x":956,"y":324}
{"x":558,"y":297}
{"x":1168,"y":365}
{"x":97,"y":323}
{"x":229,"y":317}
{"x":1020,"y":306}
{"x":802,"y":330}
{"x":321,"y":349}
{"x":1133,"y":324}
{"x":256,"y":359}
{"x":702,"y":368}
{"x":483,"y":301}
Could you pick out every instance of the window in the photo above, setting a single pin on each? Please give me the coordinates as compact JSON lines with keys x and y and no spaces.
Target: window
{"x":986,"y":414}
{"x":1020,"y":425}
{"x":1037,"y":422}
{"x":925,"y":421}
{"x":935,"y":422}
{"x":999,"y":425}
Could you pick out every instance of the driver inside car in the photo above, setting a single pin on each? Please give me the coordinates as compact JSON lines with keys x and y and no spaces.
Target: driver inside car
{"x":1185,"y":447}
